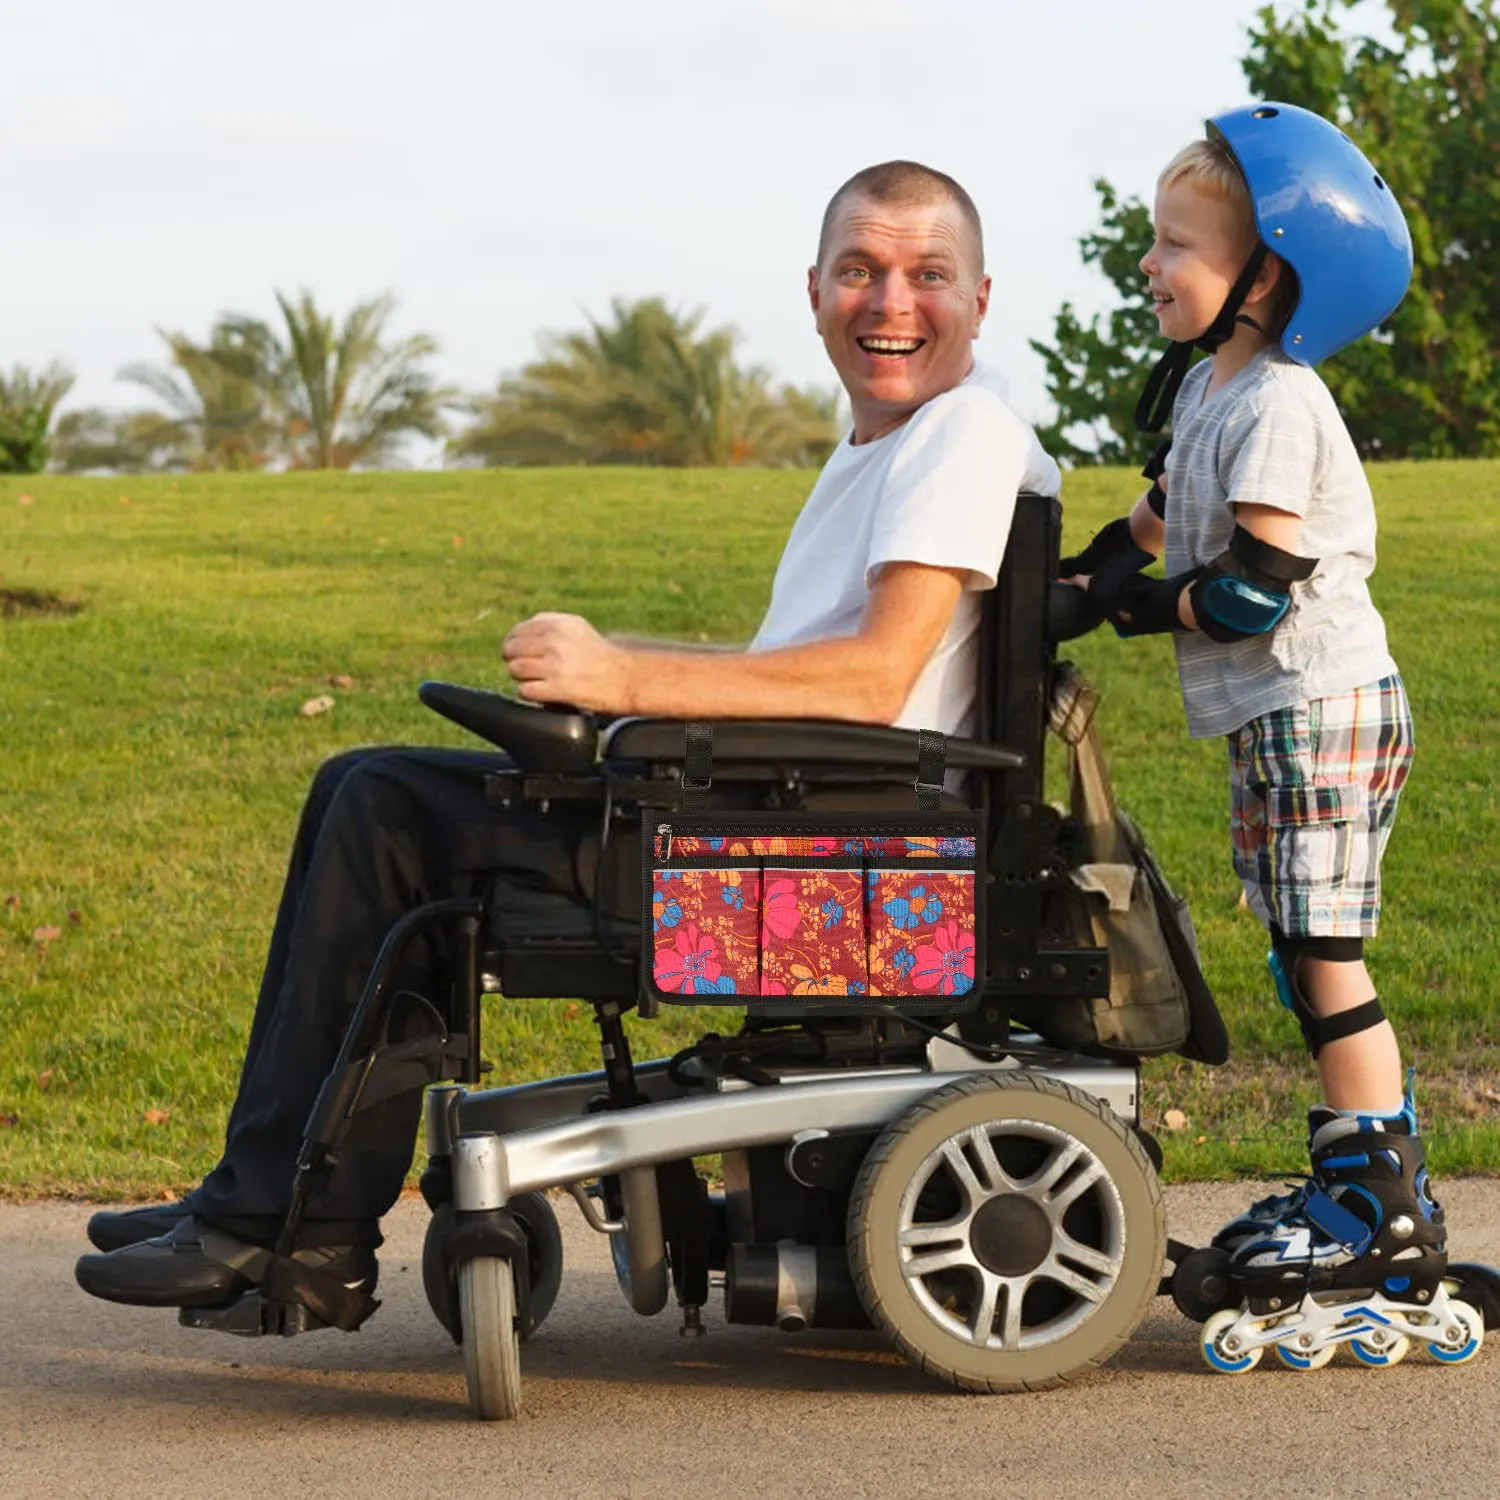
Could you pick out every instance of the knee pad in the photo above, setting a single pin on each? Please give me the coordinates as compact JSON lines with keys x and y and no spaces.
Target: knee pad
{"x":1285,"y":959}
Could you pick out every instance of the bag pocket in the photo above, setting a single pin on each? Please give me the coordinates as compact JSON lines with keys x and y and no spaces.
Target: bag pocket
{"x":812,"y":934}
{"x":706,"y":932}
{"x":774,"y":911}
{"x":921,"y":933}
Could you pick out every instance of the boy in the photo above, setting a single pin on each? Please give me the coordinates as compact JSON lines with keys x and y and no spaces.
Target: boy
{"x":1276,"y":244}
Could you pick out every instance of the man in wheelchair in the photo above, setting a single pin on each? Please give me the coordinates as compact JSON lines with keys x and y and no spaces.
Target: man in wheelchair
{"x":874,"y":619}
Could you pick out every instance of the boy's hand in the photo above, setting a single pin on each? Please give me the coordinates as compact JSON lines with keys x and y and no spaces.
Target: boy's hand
{"x":560,"y":658}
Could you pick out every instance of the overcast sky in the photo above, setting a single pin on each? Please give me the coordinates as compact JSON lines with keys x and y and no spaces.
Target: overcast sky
{"x":505,"y":167}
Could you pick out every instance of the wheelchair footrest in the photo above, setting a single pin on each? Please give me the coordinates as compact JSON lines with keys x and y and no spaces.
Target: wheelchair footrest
{"x":253,"y":1315}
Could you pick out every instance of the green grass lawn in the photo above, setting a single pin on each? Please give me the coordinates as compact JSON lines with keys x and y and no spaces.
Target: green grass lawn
{"x":154,"y":760}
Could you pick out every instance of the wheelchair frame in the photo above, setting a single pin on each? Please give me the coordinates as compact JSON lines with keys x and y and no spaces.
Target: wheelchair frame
{"x":816,"y":1121}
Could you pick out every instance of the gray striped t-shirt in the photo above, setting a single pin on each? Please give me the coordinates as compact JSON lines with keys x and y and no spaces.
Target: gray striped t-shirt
{"x":1273,"y":436}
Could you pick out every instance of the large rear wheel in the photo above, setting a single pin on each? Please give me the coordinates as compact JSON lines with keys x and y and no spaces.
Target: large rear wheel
{"x":1007,"y":1232}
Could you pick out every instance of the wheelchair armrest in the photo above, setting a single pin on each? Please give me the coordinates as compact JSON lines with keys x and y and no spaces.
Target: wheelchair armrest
{"x":778,"y":740}
{"x":562,"y":740}
{"x":566,"y":741}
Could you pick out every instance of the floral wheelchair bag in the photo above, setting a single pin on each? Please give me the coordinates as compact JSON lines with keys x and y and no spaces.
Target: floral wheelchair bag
{"x":827,"y":910}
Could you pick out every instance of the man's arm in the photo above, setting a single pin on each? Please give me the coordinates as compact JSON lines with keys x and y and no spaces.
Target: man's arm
{"x":866,"y":677}
{"x":676,"y":648}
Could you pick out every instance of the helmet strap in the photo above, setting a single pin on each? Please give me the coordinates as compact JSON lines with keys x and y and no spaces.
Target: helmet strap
{"x":1164,"y":381}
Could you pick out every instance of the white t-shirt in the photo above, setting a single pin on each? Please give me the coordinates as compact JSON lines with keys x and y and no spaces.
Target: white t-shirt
{"x":940,"y":490}
{"x":1273,"y":436}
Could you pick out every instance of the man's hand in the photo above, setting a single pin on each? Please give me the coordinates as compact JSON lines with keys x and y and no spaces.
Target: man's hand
{"x":558,"y":658}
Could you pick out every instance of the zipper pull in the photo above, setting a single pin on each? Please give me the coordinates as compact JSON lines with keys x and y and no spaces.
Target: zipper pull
{"x":665,"y":828}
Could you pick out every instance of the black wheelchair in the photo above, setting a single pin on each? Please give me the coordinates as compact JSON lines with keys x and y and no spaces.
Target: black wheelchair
{"x":982,"y":1192}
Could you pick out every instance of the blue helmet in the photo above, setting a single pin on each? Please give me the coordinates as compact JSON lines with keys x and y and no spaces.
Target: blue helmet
{"x":1328,"y":214}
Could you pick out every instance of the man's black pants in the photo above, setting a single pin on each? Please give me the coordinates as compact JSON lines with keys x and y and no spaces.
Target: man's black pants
{"x":382,"y":831}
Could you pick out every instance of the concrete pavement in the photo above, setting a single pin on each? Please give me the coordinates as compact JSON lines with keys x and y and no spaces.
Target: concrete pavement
{"x":103,"y":1401}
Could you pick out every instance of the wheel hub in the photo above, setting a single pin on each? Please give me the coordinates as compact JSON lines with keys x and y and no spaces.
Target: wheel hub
{"x":1011,"y":1235}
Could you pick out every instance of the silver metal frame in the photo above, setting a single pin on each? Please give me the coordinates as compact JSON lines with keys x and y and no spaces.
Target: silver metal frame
{"x":557,"y":1145}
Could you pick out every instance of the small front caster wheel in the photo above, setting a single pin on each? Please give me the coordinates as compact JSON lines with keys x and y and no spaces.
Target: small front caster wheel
{"x":492,"y":1348}
{"x":544,"y":1261}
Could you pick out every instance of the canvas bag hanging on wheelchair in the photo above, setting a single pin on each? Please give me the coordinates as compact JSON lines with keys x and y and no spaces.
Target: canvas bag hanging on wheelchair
{"x":1157,"y":996}
{"x":814,"y":910}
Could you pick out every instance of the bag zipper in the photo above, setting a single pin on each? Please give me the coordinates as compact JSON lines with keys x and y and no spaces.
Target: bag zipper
{"x":965,"y":825}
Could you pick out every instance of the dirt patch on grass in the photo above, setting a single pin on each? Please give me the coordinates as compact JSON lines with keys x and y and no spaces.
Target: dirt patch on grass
{"x":17,"y":602}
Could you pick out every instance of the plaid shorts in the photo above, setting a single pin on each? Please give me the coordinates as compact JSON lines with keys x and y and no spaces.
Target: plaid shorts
{"x":1312,"y":797}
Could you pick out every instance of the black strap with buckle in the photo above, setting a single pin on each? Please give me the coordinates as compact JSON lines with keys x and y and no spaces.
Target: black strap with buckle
{"x":697,"y":767}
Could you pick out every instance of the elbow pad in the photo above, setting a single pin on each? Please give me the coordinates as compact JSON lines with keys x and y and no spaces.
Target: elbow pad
{"x":1247,"y":588}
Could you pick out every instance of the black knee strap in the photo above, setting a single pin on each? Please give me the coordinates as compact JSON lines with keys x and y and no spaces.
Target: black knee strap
{"x":1338,"y":950}
{"x":1318,"y":1031}
{"x":1344,"y":1023}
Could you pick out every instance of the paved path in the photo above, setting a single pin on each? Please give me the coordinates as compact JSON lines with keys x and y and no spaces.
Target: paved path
{"x":116,"y":1402}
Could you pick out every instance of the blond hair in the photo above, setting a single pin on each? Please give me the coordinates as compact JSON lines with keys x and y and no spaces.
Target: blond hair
{"x":1210,"y":167}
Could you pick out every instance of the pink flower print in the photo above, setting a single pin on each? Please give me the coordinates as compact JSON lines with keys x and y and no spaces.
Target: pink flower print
{"x":780,"y":913}
{"x":946,"y":965}
{"x":690,"y":966}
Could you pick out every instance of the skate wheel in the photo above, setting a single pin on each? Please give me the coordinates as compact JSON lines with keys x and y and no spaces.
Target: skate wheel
{"x":1458,"y":1351}
{"x":1391,"y":1351}
{"x":1477,"y":1285}
{"x":1295,"y":1361}
{"x":1222,"y":1358}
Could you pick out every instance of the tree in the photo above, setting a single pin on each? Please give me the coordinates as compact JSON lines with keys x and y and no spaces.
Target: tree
{"x":336,"y":397}
{"x":28,"y":403}
{"x":217,"y":419}
{"x":1426,"y":110}
{"x":1095,"y":375}
{"x":648,"y":387}
{"x":213,"y":419}
{"x":137,"y":442}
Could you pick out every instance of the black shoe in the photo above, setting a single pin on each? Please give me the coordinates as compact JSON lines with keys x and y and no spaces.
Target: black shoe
{"x":174,"y":1270}
{"x":110,"y":1228}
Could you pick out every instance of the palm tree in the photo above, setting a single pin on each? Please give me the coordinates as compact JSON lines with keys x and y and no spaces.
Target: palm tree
{"x":136,"y":442}
{"x":217,"y":419}
{"x":338,"y":397}
{"x":648,"y":387}
{"x":28,"y":402}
